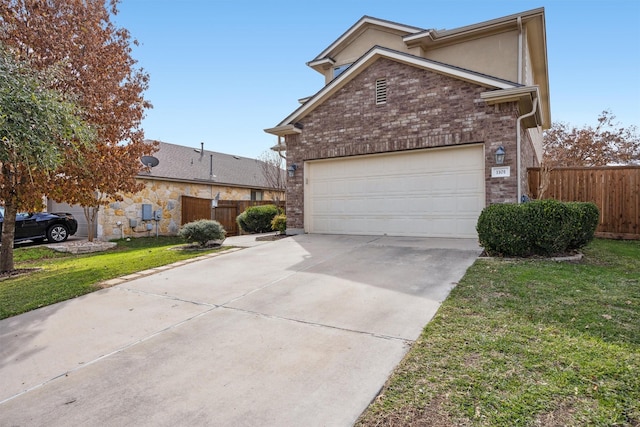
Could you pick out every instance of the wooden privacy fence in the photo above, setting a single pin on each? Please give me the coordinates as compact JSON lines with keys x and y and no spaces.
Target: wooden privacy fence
{"x":194,"y":208}
{"x":615,"y":190}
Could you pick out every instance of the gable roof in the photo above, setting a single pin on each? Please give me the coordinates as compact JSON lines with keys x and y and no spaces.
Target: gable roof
{"x":191,"y":164}
{"x":353,"y":32}
{"x":533,"y":21}
{"x":287,"y":126}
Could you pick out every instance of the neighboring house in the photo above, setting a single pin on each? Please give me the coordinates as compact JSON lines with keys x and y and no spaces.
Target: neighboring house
{"x":181,"y":171}
{"x":402,"y":138}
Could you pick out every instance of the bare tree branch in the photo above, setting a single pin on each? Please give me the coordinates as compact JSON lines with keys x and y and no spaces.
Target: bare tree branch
{"x":272,"y":171}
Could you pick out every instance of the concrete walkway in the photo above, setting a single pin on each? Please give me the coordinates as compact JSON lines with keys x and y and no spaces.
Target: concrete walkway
{"x":299,"y":331}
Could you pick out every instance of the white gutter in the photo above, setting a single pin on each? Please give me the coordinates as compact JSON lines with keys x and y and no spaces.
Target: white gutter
{"x":518,"y":143}
{"x":520,"y":49}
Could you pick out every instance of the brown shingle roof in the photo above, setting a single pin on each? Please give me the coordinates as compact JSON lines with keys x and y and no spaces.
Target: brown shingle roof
{"x":180,"y":163}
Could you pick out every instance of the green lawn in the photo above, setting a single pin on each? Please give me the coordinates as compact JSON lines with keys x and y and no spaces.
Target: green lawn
{"x":527,"y":343}
{"x":64,"y":276}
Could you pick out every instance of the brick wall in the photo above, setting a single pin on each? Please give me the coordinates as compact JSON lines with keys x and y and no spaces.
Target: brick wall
{"x":423,"y":110}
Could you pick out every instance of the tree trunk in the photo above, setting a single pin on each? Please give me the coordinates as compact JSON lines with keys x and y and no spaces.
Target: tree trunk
{"x":545,"y":178}
{"x":90,"y":213}
{"x":8,"y":232}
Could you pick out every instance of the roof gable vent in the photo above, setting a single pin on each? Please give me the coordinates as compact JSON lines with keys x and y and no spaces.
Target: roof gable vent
{"x":381,"y":91}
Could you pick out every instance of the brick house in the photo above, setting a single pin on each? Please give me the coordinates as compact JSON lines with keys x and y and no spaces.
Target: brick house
{"x":403,"y":137}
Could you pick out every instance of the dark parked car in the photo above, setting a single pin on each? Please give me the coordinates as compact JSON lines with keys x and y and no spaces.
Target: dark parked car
{"x":55,"y":227}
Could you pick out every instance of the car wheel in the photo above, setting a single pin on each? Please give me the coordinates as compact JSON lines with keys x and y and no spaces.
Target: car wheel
{"x":57,"y":233}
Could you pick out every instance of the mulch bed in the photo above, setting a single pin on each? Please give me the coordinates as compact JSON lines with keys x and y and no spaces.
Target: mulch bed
{"x":271,"y":237}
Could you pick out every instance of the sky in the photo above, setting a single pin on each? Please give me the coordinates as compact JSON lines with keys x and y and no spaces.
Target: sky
{"x":221,"y":71}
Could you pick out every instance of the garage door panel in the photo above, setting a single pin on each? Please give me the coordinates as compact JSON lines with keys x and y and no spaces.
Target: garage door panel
{"x":437,"y":193}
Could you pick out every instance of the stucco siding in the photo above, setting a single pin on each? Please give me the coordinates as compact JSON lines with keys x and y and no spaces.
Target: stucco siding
{"x":363,"y":43}
{"x":495,"y":55}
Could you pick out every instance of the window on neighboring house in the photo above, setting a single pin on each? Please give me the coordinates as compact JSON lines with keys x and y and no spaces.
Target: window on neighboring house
{"x":338,"y":70}
{"x":256,"y":195}
{"x":381,"y":91}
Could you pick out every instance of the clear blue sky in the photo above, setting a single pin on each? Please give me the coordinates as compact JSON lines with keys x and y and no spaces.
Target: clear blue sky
{"x":222,"y":71}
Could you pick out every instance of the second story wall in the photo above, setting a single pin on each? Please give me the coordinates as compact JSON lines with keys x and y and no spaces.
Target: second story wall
{"x":495,"y":55}
{"x":362,"y":43}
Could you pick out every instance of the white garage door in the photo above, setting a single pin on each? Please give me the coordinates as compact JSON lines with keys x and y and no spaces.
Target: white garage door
{"x":77,"y":212}
{"x":430,"y":193}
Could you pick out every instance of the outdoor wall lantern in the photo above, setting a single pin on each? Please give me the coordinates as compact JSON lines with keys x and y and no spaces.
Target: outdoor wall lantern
{"x":291,"y":170}
{"x":500,"y":155}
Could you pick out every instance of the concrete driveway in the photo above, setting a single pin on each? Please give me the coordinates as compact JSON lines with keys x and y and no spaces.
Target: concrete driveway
{"x":300,"y":331}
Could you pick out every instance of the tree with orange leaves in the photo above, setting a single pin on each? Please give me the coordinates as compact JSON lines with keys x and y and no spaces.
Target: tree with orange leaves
{"x":605,"y":144}
{"x":94,"y":58}
{"x":37,"y":126}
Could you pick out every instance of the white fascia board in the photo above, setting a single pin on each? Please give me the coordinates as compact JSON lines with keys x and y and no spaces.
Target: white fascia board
{"x":519,"y":94}
{"x":509,"y":95}
{"x":279,"y":147}
{"x":321,"y":61}
{"x":282,"y":130}
{"x":355,"y":27}
{"x":418,"y":36}
{"x":469,"y":29}
{"x":379,"y":52}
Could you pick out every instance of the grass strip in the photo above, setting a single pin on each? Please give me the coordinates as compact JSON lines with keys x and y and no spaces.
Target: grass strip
{"x":64,"y":276}
{"x":527,"y":343}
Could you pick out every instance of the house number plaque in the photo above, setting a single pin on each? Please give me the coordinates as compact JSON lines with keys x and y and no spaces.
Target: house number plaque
{"x":501,"y":172}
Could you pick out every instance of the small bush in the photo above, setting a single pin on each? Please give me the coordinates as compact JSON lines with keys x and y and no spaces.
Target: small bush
{"x":541,"y":227}
{"x":257,"y":219}
{"x":588,"y":217}
{"x":202,"y":231}
{"x":279,"y":223}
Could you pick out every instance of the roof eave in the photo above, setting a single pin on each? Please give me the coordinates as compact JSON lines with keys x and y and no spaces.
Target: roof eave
{"x":498,"y":24}
{"x":284,"y":129}
{"x":533,"y":20}
{"x":524,"y":96}
{"x":321,"y":65}
{"x":286,"y":126}
{"x":279,"y":147}
{"x":321,"y":61}
{"x":205,"y":182}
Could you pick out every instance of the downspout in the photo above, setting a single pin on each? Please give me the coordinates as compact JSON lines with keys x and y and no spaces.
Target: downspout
{"x":519,"y":142}
{"x":520,"y":49}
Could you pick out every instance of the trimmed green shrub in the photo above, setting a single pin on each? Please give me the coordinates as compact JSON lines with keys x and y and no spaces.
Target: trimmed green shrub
{"x":540,"y":227}
{"x":588,"y":217}
{"x":257,"y":219}
{"x":496,"y":226}
{"x":202,"y":231}
{"x":279,"y":223}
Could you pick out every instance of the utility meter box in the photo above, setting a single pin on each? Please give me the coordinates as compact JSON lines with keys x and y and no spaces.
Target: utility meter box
{"x":157,"y":215}
{"x":146,"y":212}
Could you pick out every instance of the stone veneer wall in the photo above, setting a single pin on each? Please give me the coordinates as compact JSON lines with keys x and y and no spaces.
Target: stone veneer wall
{"x":423,"y":110}
{"x":163,"y":195}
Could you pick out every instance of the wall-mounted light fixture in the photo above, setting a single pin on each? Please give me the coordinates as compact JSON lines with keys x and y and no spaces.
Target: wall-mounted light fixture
{"x":500,"y":155}
{"x":291,"y":170}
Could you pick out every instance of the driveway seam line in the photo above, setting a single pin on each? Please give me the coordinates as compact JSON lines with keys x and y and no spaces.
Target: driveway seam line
{"x":169,"y":297}
{"x":107,"y":355}
{"x":320,"y":325}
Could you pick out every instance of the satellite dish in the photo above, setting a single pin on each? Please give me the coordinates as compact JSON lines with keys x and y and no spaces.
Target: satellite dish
{"x":149,"y":161}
